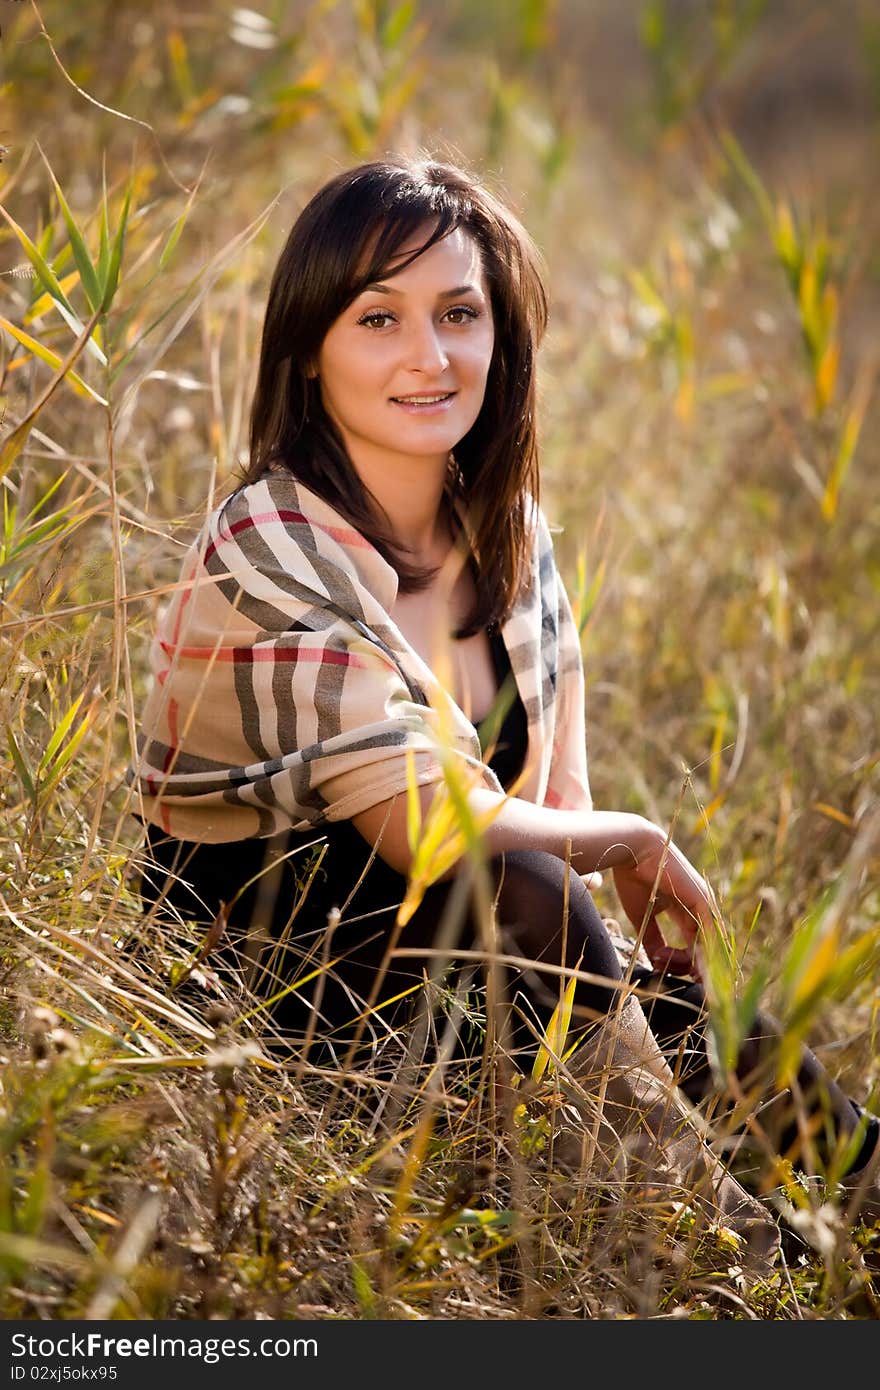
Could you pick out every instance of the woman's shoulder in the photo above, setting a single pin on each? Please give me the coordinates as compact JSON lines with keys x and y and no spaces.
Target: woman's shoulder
{"x":252,"y":495}
{"x":275,"y":498}
{"x":277,"y":521}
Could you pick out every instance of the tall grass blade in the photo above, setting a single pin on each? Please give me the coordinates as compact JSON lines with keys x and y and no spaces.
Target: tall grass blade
{"x":21,"y":765}
{"x":849,"y":440}
{"x":552,"y":1049}
{"x":87,"y":274}
{"x":45,"y":273}
{"x":51,"y":359}
{"x":111,"y":278}
{"x":59,"y":734}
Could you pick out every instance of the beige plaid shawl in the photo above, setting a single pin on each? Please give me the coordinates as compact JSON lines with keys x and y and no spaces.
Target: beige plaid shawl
{"x":285,"y":696}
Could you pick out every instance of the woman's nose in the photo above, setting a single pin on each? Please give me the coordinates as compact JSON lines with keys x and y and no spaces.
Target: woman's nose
{"x":426,"y":351}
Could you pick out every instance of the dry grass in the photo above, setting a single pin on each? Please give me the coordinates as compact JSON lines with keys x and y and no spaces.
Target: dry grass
{"x":709,"y":447}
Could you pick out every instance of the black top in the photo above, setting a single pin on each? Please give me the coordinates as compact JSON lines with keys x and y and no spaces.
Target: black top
{"x":512,"y":738}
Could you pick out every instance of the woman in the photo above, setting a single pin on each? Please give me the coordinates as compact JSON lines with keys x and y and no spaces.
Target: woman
{"x":355,"y":621}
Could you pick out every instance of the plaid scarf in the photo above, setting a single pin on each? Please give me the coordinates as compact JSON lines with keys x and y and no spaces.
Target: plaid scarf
{"x":284,"y":695}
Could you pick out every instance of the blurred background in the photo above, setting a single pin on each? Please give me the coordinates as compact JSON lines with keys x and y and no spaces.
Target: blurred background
{"x":701,"y":178}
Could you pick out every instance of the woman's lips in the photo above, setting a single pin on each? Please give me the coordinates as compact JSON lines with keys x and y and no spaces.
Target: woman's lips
{"x":431,"y":403}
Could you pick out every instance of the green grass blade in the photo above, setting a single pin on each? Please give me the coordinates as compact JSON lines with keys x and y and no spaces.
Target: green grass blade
{"x":204,"y":279}
{"x":557,"y":1030}
{"x":52,"y":285}
{"x":112,"y":277}
{"x":50,"y":526}
{"x":87,"y":275}
{"x":68,"y":751}
{"x":51,"y":359}
{"x":21,"y":765}
{"x":76,"y":327}
{"x":396,"y":25}
{"x":47,"y":495}
{"x":59,"y":734}
{"x":737,"y":156}
{"x":849,"y":439}
{"x":413,"y":805}
{"x":38,"y":1190}
{"x":174,"y":236}
{"x":104,"y":247}
{"x":45,"y":273}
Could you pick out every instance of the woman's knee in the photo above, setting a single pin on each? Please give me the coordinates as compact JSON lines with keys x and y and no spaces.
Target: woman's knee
{"x":554,"y":920}
{"x":535,"y":869}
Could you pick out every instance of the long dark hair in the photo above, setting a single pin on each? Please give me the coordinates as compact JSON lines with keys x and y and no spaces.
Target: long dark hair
{"x":345,"y":238}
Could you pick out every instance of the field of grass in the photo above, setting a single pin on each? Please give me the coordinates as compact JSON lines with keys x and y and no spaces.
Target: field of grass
{"x":698,"y":177}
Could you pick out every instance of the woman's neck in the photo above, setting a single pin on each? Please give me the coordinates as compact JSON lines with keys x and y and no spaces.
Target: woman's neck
{"x":416,"y":505}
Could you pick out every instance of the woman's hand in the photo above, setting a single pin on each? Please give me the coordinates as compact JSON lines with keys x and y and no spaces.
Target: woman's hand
{"x":682,"y":893}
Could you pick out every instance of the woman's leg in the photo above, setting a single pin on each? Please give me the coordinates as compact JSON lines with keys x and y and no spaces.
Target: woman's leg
{"x":194,"y":880}
{"x":276,"y":939}
{"x":633,"y":1128}
{"x":815,"y":1109}
{"x":530,"y":909}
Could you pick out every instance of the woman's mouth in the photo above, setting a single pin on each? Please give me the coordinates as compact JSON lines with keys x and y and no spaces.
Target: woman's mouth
{"x":427,"y":403}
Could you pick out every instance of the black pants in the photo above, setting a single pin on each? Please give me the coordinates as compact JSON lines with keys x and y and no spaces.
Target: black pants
{"x":333,"y":977}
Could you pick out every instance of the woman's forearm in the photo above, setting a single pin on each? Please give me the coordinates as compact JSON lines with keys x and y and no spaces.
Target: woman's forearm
{"x":599,"y":839}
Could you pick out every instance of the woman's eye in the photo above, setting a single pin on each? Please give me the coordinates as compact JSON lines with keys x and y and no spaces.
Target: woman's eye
{"x":376,"y":319}
{"x":459,"y":314}
{"x":460,"y":309}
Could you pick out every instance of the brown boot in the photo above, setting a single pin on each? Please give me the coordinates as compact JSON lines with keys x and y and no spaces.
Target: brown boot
{"x":636,"y":1131}
{"x":860,"y":1190}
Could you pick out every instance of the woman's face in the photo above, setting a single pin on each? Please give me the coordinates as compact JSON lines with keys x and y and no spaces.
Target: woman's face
{"x":403,"y":369}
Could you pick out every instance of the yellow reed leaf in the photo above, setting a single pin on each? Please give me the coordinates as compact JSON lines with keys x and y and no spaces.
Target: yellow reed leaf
{"x":413,"y":804}
{"x":849,"y":439}
{"x":818,"y":968}
{"x":717,"y":745}
{"x":179,"y":56}
{"x":649,"y":295}
{"x":557,"y":1030}
{"x":50,"y":358}
{"x":786,"y":239}
{"x":829,"y":308}
{"x":807,"y":299}
{"x":45,"y":302}
{"x":449,"y":832}
{"x":826,"y":376}
{"x":97,"y":1214}
{"x":683,"y":404}
{"x":707,"y":812}
{"x":727,"y":384}
{"x":833,"y":814}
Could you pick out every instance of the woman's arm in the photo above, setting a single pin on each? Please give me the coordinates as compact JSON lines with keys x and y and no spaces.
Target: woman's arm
{"x":633,"y":847}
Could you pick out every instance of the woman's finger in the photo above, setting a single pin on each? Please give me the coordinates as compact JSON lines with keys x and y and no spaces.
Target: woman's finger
{"x":691,"y":895}
{"x":677,"y":960}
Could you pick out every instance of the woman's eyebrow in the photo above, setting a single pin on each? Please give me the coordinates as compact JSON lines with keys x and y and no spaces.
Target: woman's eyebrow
{"x":443,"y":294}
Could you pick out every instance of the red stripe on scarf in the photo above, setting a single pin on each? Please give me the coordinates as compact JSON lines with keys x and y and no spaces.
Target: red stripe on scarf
{"x":346,"y":535}
{"x":251,"y":656}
